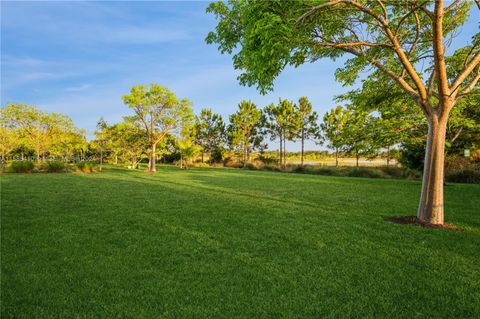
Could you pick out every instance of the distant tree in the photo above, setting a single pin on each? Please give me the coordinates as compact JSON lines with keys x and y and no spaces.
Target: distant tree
{"x":210,"y":130}
{"x":159,"y":112}
{"x":333,"y":127}
{"x":357,"y":135}
{"x":130,"y":141}
{"x":244,"y":127}
{"x":308,"y":124}
{"x":283,"y":123}
{"x":42,"y":130}
{"x":405,"y":41}
{"x":186,"y":143}
{"x":9,"y":139}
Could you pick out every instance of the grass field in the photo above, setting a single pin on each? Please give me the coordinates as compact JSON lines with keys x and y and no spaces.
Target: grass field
{"x":226,"y":243}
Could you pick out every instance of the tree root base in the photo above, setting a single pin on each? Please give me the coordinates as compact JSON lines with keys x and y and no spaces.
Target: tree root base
{"x":413,"y":220}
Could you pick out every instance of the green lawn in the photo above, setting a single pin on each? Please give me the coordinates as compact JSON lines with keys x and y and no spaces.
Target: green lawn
{"x":226,"y":243}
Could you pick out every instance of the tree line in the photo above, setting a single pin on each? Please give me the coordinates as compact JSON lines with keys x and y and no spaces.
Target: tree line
{"x":163,"y":126}
{"x":26,"y":132}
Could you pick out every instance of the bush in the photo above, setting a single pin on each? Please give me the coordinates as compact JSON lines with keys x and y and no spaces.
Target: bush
{"x":86,"y":167}
{"x":400,"y":172}
{"x":463,"y":176}
{"x":232,"y":164}
{"x":21,"y":166}
{"x":366,"y":172}
{"x":54,"y":166}
{"x":250,"y":166}
{"x":412,"y":156}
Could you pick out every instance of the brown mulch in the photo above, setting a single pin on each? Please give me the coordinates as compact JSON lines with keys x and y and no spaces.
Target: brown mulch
{"x":413,"y":220}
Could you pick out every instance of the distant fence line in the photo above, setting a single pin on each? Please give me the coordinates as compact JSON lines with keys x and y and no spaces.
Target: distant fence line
{"x":52,"y":158}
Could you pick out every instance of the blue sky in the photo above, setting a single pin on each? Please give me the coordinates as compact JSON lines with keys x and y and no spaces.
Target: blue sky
{"x":79,"y":58}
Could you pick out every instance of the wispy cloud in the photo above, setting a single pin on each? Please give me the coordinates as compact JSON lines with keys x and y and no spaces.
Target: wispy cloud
{"x":79,"y":88}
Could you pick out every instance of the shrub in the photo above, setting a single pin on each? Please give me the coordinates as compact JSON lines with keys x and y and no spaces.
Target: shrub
{"x":54,"y":166}
{"x":366,"y":172}
{"x":400,"y":172}
{"x":250,"y":166}
{"x":21,"y":166}
{"x":233,"y":164}
{"x":86,"y":167}
{"x":463,"y":176}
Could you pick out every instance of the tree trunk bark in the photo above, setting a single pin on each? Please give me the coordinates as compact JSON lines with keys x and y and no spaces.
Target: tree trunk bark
{"x":281,"y":149}
{"x":336,"y":157}
{"x":101,"y":158}
{"x":357,"y":157}
{"x":430,"y":209}
{"x":303,"y":145}
{"x":388,"y":155}
{"x":152,"y":163}
{"x":284,"y":152}
{"x":202,"y":157}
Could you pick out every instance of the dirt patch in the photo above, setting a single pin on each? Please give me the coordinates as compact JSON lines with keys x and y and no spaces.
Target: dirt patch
{"x":415,"y":221}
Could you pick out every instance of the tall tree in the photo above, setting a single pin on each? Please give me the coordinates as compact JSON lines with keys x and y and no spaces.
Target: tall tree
{"x":159,"y":112}
{"x":282,"y":122}
{"x":43,"y":130}
{"x":358,"y":135}
{"x":307,"y":120}
{"x":186,"y":143}
{"x":404,"y":40}
{"x":333,"y":127}
{"x":210,"y":130}
{"x":243,"y":128}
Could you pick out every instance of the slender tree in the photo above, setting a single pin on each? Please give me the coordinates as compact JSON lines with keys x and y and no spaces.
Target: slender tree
{"x":159,"y":112}
{"x":309,"y":128}
{"x":406,"y":41}
{"x":243,"y":128}
{"x":210,"y":130}
{"x":333,"y":127}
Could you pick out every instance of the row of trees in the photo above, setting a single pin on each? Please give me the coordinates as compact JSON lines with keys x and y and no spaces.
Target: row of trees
{"x":164,"y":126}
{"x":26,"y":131}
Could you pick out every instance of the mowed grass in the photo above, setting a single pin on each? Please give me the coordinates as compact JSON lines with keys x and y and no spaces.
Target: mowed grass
{"x":226,"y":243}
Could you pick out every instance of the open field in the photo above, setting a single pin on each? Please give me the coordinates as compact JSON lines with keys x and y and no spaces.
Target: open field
{"x":226,"y":243}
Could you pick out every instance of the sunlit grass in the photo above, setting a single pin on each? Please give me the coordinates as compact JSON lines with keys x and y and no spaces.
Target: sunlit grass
{"x":210,"y":243}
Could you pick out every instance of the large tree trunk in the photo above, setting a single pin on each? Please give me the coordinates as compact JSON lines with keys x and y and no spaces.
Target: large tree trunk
{"x":152,"y":163}
{"x":430,"y":209}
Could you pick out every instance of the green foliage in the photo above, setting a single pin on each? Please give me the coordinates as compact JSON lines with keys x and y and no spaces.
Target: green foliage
{"x":412,"y":156}
{"x":210,"y":129}
{"x":158,"y":112}
{"x":21,"y":166}
{"x":26,"y":128}
{"x":333,"y":127}
{"x":54,"y":166}
{"x":244,"y":129}
{"x":86,"y":167}
{"x":463,"y":176}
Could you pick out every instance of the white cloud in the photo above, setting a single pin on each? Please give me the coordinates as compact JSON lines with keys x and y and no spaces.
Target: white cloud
{"x":79,"y":88}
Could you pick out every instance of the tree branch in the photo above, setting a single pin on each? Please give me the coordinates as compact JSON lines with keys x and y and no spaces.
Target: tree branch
{"x":467,"y":69}
{"x":439,"y":54}
{"x":470,"y":86}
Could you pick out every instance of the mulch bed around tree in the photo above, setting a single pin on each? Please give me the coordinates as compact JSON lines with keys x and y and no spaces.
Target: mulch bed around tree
{"x":415,"y":221}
